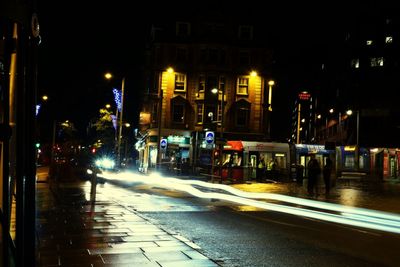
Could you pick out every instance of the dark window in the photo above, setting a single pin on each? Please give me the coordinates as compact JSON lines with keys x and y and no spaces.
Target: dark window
{"x":181,"y":55}
{"x":203,"y":55}
{"x":178,"y":113}
{"x":154,"y":112}
{"x":182,"y":29}
{"x":222,"y":57}
{"x":245,"y":32}
{"x":242,"y":117}
{"x":202,"y":83}
{"x":200,"y":113}
{"x":211,"y":83}
{"x":213,"y":56}
{"x":244,"y":58}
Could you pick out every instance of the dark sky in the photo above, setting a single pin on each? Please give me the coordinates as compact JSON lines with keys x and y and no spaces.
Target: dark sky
{"x":81,"y":40}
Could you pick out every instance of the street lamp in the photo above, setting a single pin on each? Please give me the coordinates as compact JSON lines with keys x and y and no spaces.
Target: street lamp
{"x":108,"y":76}
{"x":270,"y":84}
{"x":221,"y":144}
{"x":350,"y":112}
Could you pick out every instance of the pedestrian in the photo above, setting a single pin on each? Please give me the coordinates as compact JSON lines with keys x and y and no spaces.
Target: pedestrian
{"x":314,"y":171}
{"x":327,"y":174}
{"x":260,"y":169}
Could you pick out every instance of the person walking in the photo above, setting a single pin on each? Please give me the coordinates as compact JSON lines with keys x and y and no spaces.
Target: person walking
{"x":260,"y":169}
{"x":313,"y":172}
{"x":327,"y":174}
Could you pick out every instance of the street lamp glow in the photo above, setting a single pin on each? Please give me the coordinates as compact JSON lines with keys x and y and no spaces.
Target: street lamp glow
{"x":170,"y":70}
{"x":108,"y":76}
{"x":45,"y":97}
{"x":349,"y":112}
{"x":253,"y":73}
{"x":271,"y":83}
{"x":127,"y":125}
{"x":108,"y":105}
{"x":214,"y":90}
{"x":331,"y":110}
{"x":319,"y":116}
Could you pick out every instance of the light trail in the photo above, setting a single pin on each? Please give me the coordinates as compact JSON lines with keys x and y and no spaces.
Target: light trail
{"x":358,"y":217}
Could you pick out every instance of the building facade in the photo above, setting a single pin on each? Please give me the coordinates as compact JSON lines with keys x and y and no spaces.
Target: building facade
{"x":202,"y":76}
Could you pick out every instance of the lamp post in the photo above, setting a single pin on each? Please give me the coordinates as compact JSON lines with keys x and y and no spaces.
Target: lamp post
{"x":108,"y":76}
{"x":221,"y":144}
{"x":270,"y":84}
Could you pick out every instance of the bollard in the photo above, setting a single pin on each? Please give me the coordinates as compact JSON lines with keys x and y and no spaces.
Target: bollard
{"x":93,"y":180}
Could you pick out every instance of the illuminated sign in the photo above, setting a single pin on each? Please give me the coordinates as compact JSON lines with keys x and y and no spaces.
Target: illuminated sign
{"x":163,"y":143}
{"x":304,"y":95}
{"x":210,"y":137}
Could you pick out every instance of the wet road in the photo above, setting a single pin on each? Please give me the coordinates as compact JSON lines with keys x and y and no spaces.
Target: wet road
{"x":241,"y":235}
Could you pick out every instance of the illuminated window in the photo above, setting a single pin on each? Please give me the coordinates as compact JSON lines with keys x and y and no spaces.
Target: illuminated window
{"x":369,"y":42}
{"x":200,"y":113}
{"x":389,"y":39}
{"x":178,"y":113}
{"x":355,"y":63}
{"x":377,"y":62}
{"x":180,"y":82}
{"x":242,"y":86}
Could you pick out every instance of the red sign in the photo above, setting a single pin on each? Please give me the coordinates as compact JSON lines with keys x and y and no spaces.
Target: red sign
{"x":304,"y":96}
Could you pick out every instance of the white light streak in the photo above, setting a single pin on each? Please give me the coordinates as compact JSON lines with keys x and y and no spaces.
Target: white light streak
{"x":354,"y":216}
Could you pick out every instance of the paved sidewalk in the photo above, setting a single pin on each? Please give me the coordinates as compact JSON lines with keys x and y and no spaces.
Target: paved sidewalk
{"x":72,"y":232}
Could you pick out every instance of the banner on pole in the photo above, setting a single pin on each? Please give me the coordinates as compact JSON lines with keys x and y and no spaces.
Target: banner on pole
{"x":114,"y":121}
{"x":118,"y":98}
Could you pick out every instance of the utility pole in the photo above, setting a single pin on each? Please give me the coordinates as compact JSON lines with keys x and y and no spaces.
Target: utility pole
{"x":159,"y":129}
{"x":120,"y":123}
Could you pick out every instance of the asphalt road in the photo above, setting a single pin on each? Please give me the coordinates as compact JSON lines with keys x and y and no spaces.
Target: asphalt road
{"x":236,"y":235}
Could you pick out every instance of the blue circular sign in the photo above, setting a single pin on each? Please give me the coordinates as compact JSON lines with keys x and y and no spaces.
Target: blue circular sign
{"x":163,"y":143}
{"x":209,"y":137}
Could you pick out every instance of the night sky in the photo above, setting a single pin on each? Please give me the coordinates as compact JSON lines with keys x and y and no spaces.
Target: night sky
{"x":81,"y":40}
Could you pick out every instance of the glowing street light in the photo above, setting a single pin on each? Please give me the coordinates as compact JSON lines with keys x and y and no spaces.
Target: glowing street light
{"x":108,"y":76}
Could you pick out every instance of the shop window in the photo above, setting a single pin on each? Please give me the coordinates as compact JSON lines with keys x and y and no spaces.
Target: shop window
{"x":349,"y":161}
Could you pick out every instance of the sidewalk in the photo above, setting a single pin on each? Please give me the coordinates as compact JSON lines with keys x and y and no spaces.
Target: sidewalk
{"x":72,"y":232}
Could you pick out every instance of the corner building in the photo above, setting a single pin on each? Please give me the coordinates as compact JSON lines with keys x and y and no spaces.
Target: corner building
{"x":203,"y":75}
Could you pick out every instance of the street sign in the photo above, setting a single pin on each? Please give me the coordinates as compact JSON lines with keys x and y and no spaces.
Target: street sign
{"x":163,"y":143}
{"x":210,"y":137}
